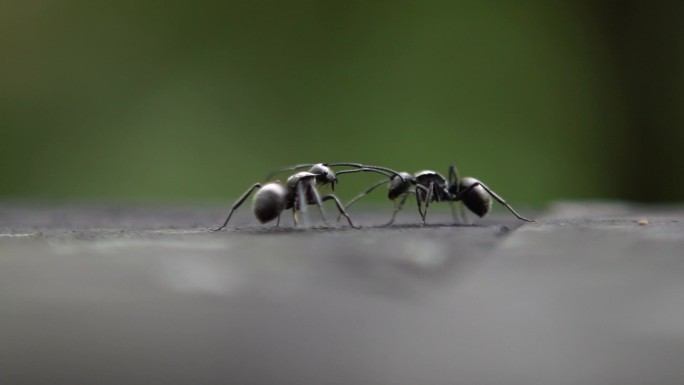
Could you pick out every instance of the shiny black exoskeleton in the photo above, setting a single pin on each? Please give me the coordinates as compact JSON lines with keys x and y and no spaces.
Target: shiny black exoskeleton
{"x":430,"y":186}
{"x":300,"y":190}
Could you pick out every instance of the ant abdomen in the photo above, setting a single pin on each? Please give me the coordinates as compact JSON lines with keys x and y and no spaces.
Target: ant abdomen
{"x":477,"y":199}
{"x":269,"y":202}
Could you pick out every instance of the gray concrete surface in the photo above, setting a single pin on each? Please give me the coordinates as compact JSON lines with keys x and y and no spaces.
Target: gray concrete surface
{"x":145,"y":295}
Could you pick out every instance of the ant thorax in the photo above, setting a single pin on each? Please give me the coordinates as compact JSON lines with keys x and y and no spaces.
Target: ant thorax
{"x":294,"y":179}
{"x":429,"y":176}
{"x":439,"y":186}
{"x":299,"y":181}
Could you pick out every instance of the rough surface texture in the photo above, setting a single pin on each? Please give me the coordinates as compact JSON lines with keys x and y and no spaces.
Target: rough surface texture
{"x":589,"y":294}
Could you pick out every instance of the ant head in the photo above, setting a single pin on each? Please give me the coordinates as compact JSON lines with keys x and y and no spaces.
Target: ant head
{"x":477,"y":199}
{"x":324,"y":174}
{"x":398,"y":187}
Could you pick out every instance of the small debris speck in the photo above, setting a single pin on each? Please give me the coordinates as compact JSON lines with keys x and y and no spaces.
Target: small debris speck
{"x":642,"y":222}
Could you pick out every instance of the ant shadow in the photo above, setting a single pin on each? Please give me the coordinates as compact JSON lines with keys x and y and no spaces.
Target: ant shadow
{"x":502,"y":228}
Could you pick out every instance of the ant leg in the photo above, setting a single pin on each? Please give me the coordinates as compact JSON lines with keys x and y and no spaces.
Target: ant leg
{"x":363,"y":194}
{"x":453,"y":212}
{"x":300,"y":203}
{"x":394,"y":214}
{"x":461,"y":218}
{"x":453,"y":181}
{"x":428,"y":199}
{"x":398,"y":207}
{"x":294,"y":216}
{"x":415,"y":192}
{"x":499,"y":199}
{"x":278,"y":222}
{"x":453,"y":177}
{"x":340,"y":208}
{"x":317,"y":199}
{"x":237,"y":204}
{"x":425,"y":192}
{"x":464,"y":214}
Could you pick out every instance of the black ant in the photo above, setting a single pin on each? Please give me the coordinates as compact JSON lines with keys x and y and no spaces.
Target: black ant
{"x":299,"y":190}
{"x":430,"y":186}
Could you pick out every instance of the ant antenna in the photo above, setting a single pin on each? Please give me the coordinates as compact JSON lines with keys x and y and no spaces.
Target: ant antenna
{"x":365,"y":169}
{"x":291,"y":168}
{"x":388,"y":171}
{"x":383,"y":170}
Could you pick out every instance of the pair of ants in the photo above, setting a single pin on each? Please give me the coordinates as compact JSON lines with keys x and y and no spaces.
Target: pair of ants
{"x":301,"y":190}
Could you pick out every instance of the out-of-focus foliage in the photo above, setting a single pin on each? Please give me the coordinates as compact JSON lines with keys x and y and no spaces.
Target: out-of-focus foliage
{"x":159,"y":100}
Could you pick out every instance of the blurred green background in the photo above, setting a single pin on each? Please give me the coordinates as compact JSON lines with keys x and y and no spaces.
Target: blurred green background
{"x":174,"y":101}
